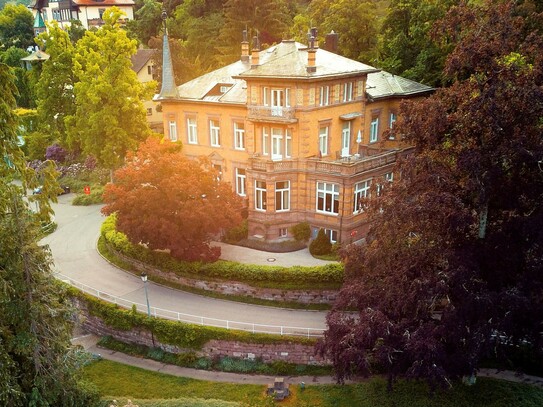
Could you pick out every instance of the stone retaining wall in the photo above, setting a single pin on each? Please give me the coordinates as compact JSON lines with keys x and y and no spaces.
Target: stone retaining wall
{"x":288,"y":352}
{"x":235,"y":287}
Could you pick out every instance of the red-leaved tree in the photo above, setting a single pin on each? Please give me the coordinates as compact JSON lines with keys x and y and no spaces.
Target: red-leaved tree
{"x":452,"y":270}
{"x":167,"y":201}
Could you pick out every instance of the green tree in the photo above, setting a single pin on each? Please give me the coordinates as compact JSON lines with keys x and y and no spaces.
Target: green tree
{"x":16,"y":26}
{"x":55,"y":88}
{"x":23,"y":79}
{"x":110,"y":118}
{"x":147,"y":21}
{"x":407,"y":47}
{"x":37,"y":363}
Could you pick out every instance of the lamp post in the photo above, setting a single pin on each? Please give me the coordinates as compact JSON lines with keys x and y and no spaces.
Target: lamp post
{"x":144,"y":279}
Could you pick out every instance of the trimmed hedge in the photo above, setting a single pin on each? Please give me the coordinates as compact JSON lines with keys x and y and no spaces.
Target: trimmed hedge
{"x":329,"y":275}
{"x":181,"y":334}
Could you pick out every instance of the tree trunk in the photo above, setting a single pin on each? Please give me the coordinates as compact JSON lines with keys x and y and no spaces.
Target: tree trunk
{"x":483,"y":215}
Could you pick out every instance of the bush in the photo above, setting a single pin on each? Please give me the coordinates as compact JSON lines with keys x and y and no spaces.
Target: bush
{"x":36,"y":144}
{"x":237,"y":233}
{"x":321,"y":245}
{"x":56,"y":153}
{"x":301,"y":232}
{"x":95,"y":197}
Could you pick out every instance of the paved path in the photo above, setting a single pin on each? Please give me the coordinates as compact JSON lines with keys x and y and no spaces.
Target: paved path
{"x":73,"y":246}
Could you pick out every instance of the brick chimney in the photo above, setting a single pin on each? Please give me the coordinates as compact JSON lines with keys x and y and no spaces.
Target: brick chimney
{"x":312,"y":52}
{"x":255,"y":55}
{"x":245,"y":48}
{"x":331,"y":42}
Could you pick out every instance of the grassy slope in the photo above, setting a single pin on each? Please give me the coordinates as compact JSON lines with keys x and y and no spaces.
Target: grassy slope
{"x":125,"y":381}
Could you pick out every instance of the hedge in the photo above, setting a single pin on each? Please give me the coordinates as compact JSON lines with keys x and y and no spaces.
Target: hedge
{"x":329,"y":275}
{"x":181,"y":334}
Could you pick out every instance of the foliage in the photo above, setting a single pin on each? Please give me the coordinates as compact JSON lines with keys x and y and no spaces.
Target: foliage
{"x":95,"y":197}
{"x":56,"y":153}
{"x":183,"y":335}
{"x":168,"y":201}
{"x":16,"y":22}
{"x":147,"y":21}
{"x":55,"y":88}
{"x":237,"y":233}
{"x":321,"y":244}
{"x":24,"y":79}
{"x":301,"y":231}
{"x":176,"y":402}
{"x":452,"y":268}
{"x":106,"y":93}
{"x":37,"y":365}
{"x":298,"y":276}
{"x":36,"y":144}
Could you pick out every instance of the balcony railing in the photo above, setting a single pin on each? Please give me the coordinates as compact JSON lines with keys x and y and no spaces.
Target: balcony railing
{"x":355,"y":165}
{"x":271,"y":113}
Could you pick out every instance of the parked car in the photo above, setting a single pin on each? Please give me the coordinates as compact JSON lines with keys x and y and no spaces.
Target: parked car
{"x":65,"y":189}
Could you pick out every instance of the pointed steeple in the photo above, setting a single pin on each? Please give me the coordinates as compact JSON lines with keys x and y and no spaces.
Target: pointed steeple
{"x":168,"y":89}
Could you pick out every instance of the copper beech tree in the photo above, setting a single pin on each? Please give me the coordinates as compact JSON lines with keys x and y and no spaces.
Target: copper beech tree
{"x":169,"y":202}
{"x":452,"y":270}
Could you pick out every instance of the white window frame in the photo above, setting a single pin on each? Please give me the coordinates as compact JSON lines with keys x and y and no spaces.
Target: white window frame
{"x":239,"y":136}
{"x":391,"y":121}
{"x":283,"y":232}
{"x":172,"y":130}
{"x":347,"y":91}
{"x":374,"y":130}
{"x":241,"y":179}
{"x":324,"y":95}
{"x":361,"y":192}
{"x":214,"y":133}
{"x":332,"y":235}
{"x":260,"y":196}
{"x":324,"y":132}
{"x":288,"y":143}
{"x":282,"y":196}
{"x":276,"y":143}
{"x":327,"y":190}
{"x":265,"y":141}
{"x":192,"y":130}
{"x":346,"y":138}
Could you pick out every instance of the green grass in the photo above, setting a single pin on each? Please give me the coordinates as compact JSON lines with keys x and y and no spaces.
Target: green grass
{"x":125,"y":381}
{"x":111,"y":257}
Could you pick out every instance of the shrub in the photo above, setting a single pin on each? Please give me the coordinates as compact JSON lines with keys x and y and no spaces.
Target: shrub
{"x":36,"y":145}
{"x":237,"y":233}
{"x":56,"y":152}
{"x":321,"y":245}
{"x":95,"y":197}
{"x":301,"y":232}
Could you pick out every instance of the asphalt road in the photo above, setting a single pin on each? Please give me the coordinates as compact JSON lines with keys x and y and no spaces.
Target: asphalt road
{"x":73,"y":246}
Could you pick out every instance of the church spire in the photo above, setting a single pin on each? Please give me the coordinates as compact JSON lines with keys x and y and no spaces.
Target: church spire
{"x":168,"y":89}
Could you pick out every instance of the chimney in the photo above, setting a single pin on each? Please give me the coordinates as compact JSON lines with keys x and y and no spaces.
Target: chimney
{"x":312,"y":52}
{"x":331,"y":42}
{"x":255,"y":53}
{"x":245,"y":48}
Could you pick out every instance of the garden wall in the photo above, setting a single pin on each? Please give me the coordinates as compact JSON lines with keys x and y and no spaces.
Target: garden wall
{"x":234,"y":287}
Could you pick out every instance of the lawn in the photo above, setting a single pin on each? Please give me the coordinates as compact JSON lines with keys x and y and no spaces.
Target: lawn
{"x":114,"y":379}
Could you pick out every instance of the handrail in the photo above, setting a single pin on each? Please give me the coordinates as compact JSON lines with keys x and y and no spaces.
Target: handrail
{"x":195,"y":319}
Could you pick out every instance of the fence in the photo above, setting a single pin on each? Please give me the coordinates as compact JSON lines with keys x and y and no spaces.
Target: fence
{"x":194,"y":319}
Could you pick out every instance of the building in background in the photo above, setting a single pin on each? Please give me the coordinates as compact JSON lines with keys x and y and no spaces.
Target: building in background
{"x":300,"y":132}
{"x":89,"y":12}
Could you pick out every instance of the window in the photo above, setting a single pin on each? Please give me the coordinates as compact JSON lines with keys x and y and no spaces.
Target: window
{"x":218,"y":168}
{"x":361,"y":194}
{"x":389,"y":177}
{"x":241,"y":178}
{"x":239,"y":136}
{"x":149,"y":111}
{"x":224,"y":88}
{"x":332,"y":235}
{"x":101,"y":12}
{"x":327,"y":198}
{"x":324,"y":98}
{"x":282,"y":196}
{"x":391,"y":122}
{"x":288,"y":143}
{"x":149,"y":69}
{"x":283,"y":232}
{"x":277,"y":99}
{"x":260,"y":195}
{"x":265,"y":141}
{"x":345,"y":139}
{"x":347,"y":92}
{"x":172,"y":130}
{"x":374,"y":130}
{"x":192,"y":130}
{"x":323,"y":140}
{"x":214,"y":133}
{"x":277,"y":143}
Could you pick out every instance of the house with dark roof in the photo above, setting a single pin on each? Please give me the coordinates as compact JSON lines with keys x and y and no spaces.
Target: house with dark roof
{"x":144,"y":66}
{"x":89,"y":12}
{"x":300,"y":132}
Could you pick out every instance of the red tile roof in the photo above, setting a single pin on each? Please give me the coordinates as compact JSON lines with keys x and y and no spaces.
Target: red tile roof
{"x":101,"y":3}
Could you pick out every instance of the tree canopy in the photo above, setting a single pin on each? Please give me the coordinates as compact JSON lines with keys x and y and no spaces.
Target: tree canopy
{"x":16,"y":26}
{"x":37,"y":363}
{"x":167,"y":201}
{"x":110,"y":118}
{"x":452,"y":269}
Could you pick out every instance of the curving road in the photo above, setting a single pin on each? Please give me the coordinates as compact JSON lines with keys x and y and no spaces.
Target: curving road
{"x":73,"y":246}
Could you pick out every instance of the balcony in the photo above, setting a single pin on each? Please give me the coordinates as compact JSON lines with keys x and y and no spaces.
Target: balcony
{"x":343,"y":167}
{"x":277,"y":114}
